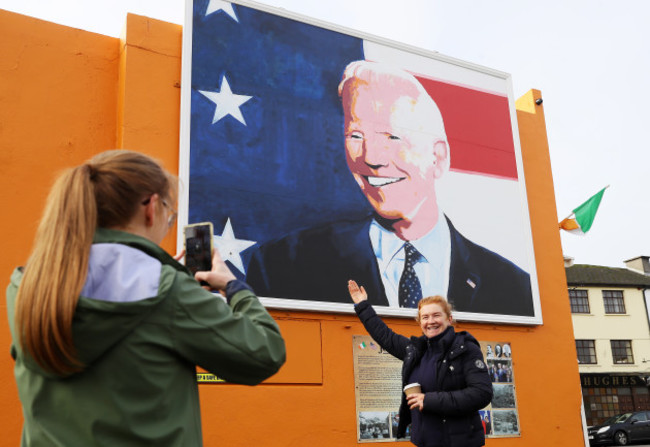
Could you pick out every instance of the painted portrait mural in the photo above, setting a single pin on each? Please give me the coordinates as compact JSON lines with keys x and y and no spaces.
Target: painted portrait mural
{"x":321,"y":155}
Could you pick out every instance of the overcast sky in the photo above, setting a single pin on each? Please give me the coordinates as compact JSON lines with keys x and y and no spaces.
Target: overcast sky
{"x":590,"y":59}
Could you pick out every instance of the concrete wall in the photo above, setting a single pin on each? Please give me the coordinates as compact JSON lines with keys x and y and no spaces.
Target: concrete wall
{"x":67,"y":94}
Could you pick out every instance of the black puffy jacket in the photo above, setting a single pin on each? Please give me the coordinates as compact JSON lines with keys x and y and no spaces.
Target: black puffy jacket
{"x":463,"y":383}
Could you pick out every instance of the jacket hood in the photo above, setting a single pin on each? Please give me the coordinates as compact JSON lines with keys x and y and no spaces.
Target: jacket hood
{"x":123,"y":286}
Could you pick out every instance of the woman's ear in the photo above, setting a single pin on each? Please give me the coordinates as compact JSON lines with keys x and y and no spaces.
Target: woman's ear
{"x":150,"y":210}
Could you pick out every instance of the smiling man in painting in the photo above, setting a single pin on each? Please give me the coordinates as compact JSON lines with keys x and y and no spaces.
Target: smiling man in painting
{"x":396,"y":149}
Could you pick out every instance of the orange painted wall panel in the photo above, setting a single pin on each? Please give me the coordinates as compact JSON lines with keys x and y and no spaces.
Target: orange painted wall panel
{"x":67,"y":94}
{"x":149,"y":101}
{"x":304,"y":363}
{"x":58,"y":92}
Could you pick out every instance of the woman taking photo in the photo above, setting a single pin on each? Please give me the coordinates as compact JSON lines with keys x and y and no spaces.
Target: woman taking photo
{"x":449,"y":367}
{"x":108,"y":328}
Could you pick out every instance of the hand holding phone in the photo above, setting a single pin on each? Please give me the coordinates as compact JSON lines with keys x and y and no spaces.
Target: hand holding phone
{"x":198,"y":247}
{"x":219,"y":276}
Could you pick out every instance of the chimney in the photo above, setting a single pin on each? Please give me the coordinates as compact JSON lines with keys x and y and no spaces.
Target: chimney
{"x":568,"y":261}
{"x":641,"y":264}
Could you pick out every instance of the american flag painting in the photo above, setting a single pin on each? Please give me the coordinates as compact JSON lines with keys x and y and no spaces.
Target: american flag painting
{"x":263,"y":134}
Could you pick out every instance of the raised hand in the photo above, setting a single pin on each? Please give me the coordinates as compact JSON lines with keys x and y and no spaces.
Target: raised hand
{"x":357,"y":293}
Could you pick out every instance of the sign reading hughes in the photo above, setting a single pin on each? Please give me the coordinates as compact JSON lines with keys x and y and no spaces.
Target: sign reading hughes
{"x":610,"y":380}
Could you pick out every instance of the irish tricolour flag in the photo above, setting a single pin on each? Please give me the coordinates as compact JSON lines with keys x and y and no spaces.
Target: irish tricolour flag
{"x":580,"y":221}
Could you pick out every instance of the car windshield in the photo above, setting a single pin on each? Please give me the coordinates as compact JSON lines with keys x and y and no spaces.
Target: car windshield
{"x":617,"y":419}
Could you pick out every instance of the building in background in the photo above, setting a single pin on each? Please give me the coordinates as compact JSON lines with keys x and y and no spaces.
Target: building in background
{"x":609,"y":308}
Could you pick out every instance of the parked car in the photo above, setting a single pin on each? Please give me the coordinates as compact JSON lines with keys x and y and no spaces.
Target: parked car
{"x":621,"y":429}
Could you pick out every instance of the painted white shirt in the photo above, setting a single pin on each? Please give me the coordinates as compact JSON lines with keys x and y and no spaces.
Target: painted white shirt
{"x":432,"y":269}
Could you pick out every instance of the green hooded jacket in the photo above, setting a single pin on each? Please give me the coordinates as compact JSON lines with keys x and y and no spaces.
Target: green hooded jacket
{"x":141,"y":326}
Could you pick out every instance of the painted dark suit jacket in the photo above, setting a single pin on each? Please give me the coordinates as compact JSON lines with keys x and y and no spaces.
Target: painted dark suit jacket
{"x":316,"y":264}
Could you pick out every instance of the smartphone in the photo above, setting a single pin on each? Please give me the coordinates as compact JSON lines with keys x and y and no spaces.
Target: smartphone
{"x":198,"y":246}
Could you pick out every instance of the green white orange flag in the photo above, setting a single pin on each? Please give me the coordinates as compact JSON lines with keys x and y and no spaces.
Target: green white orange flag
{"x":580,"y":221}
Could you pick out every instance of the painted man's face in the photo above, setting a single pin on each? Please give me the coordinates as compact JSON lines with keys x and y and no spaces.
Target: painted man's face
{"x":391,"y":159}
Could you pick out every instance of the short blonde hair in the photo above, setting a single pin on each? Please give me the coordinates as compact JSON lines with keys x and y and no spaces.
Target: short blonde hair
{"x":436,"y":299}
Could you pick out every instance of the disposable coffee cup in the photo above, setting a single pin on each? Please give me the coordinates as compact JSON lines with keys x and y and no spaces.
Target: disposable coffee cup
{"x":412,"y":388}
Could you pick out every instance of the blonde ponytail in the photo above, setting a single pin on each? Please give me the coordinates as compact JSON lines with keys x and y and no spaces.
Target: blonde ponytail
{"x":56,"y":271}
{"x":105,"y":192}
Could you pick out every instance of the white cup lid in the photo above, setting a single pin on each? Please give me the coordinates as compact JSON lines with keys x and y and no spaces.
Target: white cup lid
{"x":411,"y":385}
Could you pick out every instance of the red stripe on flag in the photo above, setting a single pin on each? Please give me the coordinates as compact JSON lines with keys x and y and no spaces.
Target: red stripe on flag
{"x":478,"y":129}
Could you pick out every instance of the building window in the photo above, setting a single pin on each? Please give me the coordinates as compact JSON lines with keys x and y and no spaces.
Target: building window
{"x":579,"y":301}
{"x":586,"y":351}
{"x":614,"y":303}
{"x":622,"y":351}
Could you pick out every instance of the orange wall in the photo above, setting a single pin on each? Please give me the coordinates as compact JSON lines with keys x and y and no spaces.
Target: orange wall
{"x":67,"y":94}
{"x":58,"y":91}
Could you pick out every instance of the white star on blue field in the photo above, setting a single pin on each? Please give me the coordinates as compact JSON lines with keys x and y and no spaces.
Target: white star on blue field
{"x":230,"y":247}
{"x":227,"y":102}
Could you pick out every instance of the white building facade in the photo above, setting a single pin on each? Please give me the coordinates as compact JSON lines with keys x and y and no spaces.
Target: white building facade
{"x":612,"y":336}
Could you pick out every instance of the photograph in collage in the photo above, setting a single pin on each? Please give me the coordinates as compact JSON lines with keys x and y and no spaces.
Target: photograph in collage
{"x":500,"y":418}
